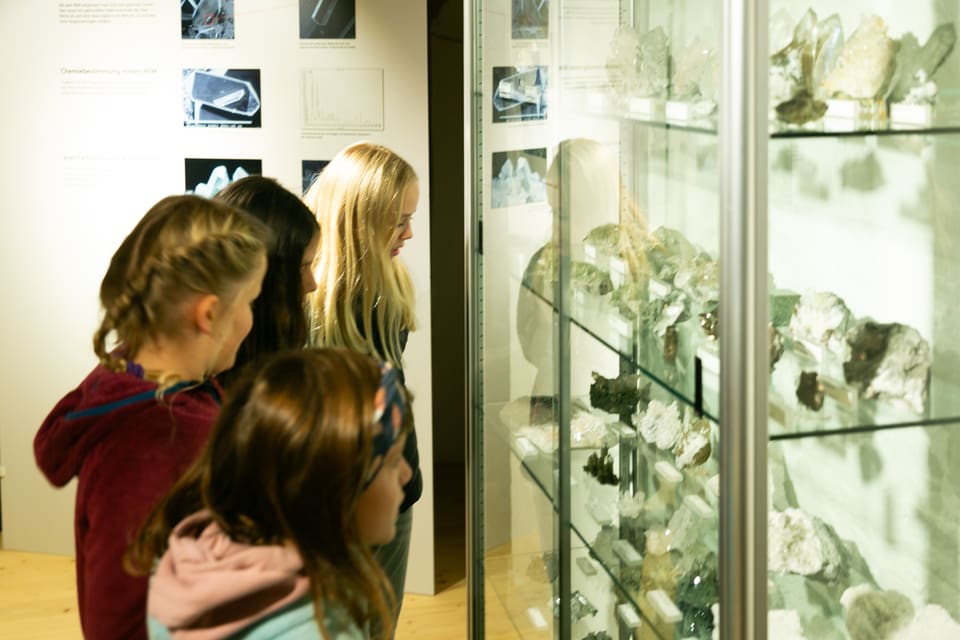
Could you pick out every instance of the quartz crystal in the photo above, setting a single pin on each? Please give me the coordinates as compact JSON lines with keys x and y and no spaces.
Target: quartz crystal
{"x":696,"y":73}
{"x":915,"y":65}
{"x":667,"y":249}
{"x":699,"y":277}
{"x":637,"y":65}
{"x":866,"y":63}
{"x":822,"y":318}
{"x":889,"y":361}
{"x":589,"y":279}
{"x":630,"y":299}
{"x":798,"y":67}
{"x":651,"y":71}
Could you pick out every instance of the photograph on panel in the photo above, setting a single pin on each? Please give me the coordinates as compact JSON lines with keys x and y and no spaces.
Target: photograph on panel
{"x":310,"y":170}
{"x":519,"y":93}
{"x":207,"y":176}
{"x":206,"y":19}
{"x":328,"y":19}
{"x":528,"y":19}
{"x":221,"y":97}
{"x":519,"y":177}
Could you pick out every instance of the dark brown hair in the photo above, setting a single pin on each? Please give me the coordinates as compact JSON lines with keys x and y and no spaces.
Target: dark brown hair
{"x":287,"y":461}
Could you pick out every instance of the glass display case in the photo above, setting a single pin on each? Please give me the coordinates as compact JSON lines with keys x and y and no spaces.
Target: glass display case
{"x":714,"y":345}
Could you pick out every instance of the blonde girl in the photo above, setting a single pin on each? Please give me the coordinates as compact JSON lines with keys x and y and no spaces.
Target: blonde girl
{"x":364,"y":200}
{"x":176,"y":305}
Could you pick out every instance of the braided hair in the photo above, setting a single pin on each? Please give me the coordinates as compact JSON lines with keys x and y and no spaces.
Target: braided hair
{"x":184,"y":245}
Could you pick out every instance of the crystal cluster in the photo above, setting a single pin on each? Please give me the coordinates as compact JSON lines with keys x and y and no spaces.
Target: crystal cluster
{"x":637,"y":64}
{"x":866,"y":63}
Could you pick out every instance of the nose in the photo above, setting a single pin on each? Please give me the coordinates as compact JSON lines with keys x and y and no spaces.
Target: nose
{"x":407,"y":232}
{"x":406,"y":473}
{"x":309,"y":281}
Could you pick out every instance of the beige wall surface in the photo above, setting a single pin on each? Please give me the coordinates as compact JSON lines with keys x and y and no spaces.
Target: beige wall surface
{"x":93,"y":135}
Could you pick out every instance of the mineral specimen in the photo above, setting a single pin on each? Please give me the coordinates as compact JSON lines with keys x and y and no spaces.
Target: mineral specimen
{"x":697,"y":591}
{"x":801,"y":544}
{"x":618,"y":395}
{"x":667,"y":250}
{"x":696,"y":73}
{"x":693,"y":446}
{"x":889,"y":361}
{"x":589,"y":279}
{"x":866,"y":63}
{"x":810,"y":390}
{"x":915,"y":65}
{"x":659,"y":424}
{"x":875,"y":615}
{"x":601,"y":467}
{"x":822,"y":319}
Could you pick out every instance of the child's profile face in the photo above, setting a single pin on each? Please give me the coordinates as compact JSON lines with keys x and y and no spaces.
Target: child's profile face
{"x":308,"y":278}
{"x":404,"y":231}
{"x":379,"y":504}
{"x":237,"y":319}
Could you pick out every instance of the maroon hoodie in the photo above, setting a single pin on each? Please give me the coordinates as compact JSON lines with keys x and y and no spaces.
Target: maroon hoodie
{"x":127,"y":449}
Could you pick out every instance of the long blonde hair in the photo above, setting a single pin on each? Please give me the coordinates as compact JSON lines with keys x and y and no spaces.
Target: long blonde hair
{"x":362,"y":292}
{"x":183,"y":245}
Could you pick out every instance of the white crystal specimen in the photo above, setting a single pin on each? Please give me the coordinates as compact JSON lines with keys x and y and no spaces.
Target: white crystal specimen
{"x":822,"y":318}
{"x":659,"y":424}
{"x":793,"y":544}
{"x":587,"y":430}
{"x":630,"y":506}
{"x":865,"y":65}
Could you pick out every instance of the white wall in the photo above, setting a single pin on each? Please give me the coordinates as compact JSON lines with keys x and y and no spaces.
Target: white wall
{"x":78,"y":170}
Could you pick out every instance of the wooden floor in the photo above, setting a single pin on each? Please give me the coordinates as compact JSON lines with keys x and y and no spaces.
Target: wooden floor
{"x":38,"y":596}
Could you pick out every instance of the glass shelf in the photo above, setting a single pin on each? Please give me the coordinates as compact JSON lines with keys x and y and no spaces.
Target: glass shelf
{"x":939,"y":122}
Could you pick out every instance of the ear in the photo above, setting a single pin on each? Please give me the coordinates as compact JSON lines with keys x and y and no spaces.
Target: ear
{"x":205,"y":311}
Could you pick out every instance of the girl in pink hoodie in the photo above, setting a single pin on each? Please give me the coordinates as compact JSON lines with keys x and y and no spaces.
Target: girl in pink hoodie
{"x":269,"y":534}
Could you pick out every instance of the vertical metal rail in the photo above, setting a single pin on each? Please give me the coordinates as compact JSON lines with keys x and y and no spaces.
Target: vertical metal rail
{"x":743,"y":325}
{"x":474,"y":444}
{"x":562,"y":299}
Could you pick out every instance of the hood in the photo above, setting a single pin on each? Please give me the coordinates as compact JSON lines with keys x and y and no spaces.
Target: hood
{"x":104,"y":402}
{"x":84,"y":417}
{"x":207,"y":586}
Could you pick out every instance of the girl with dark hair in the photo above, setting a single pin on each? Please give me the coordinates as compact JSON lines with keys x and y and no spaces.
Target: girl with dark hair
{"x":269,"y":534}
{"x":279,"y":317}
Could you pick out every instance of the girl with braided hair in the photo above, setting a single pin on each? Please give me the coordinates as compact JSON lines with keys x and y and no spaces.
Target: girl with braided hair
{"x":176,"y":304}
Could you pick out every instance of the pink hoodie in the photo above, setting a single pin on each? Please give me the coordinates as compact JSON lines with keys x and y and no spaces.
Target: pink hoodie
{"x":207,"y":586}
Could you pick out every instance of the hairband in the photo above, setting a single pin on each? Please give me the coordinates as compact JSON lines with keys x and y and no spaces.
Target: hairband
{"x":389,"y":407}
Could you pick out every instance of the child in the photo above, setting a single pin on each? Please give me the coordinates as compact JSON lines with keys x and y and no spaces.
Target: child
{"x":268,"y":535}
{"x":365,"y":199}
{"x":279,"y":316}
{"x":176,"y":299}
